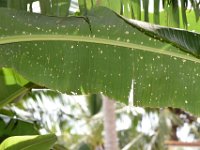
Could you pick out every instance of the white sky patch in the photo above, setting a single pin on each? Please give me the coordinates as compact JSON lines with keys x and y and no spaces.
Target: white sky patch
{"x":74,"y":7}
{"x":151,"y":6}
{"x":148,"y":124}
{"x":183,"y":133}
{"x":131,"y":95}
{"x":123,"y":123}
{"x":198,"y":120}
{"x":36,"y":7}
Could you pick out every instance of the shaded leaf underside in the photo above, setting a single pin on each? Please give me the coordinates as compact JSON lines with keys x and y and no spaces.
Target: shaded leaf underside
{"x":100,"y":53}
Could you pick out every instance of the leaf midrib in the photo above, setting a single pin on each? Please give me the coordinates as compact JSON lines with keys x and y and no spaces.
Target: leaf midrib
{"x":28,"y":38}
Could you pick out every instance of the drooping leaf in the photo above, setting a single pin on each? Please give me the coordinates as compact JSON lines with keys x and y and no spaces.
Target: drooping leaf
{"x":186,"y":40}
{"x":43,"y":142}
{"x":101,"y":53}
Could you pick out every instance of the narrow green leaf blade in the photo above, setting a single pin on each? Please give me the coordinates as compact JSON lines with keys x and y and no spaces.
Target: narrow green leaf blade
{"x":83,"y":7}
{"x":114,"y":5}
{"x":156,"y":15}
{"x":44,"y":142}
{"x":45,"y":7}
{"x":136,"y":5}
{"x":60,"y":7}
{"x":146,"y":10}
{"x":126,"y":8}
{"x":196,"y":7}
{"x":183,"y":12}
{"x":172,"y":13}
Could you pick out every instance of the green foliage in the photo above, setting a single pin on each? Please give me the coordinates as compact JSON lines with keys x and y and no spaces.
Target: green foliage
{"x":94,"y":102}
{"x":36,"y":142}
{"x":55,"y":7}
{"x":102,"y":52}
{"x":84,"y":146}
{"x":3,"y":3}
{"x":170,"y":14}
{"x":12,"y":86}
{"x":187,"y":41}
{"x":50,"y":8}
{"x":15,"y":127}
{"x":95,"y":54}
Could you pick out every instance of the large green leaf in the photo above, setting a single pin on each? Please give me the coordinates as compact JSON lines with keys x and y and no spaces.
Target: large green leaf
{"x":43,"y":142}
{"x":100,"y":53}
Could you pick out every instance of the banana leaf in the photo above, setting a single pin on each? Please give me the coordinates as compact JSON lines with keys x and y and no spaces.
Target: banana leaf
{"x":104,"y":53}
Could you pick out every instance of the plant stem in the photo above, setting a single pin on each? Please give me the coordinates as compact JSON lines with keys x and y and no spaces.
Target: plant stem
{"x":111,"y":141}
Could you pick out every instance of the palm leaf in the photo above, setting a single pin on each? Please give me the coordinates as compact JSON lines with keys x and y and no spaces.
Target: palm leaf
{"x":137,"y":9}
{"x":196,"y":7}
{"x":156,"y":12}
{"x":146,"y":10}
{"x":133,"y":9}
{"x":183,"y":12}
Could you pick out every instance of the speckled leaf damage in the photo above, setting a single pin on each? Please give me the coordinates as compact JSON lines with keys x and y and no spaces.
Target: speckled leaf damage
{"x":101,"y":53}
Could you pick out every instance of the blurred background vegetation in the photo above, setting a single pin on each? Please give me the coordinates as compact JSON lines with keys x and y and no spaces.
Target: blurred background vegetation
{"x":77,"y":121}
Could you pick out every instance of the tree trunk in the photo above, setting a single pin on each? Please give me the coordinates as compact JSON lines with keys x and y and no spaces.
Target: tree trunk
{"x":110,"y":137}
